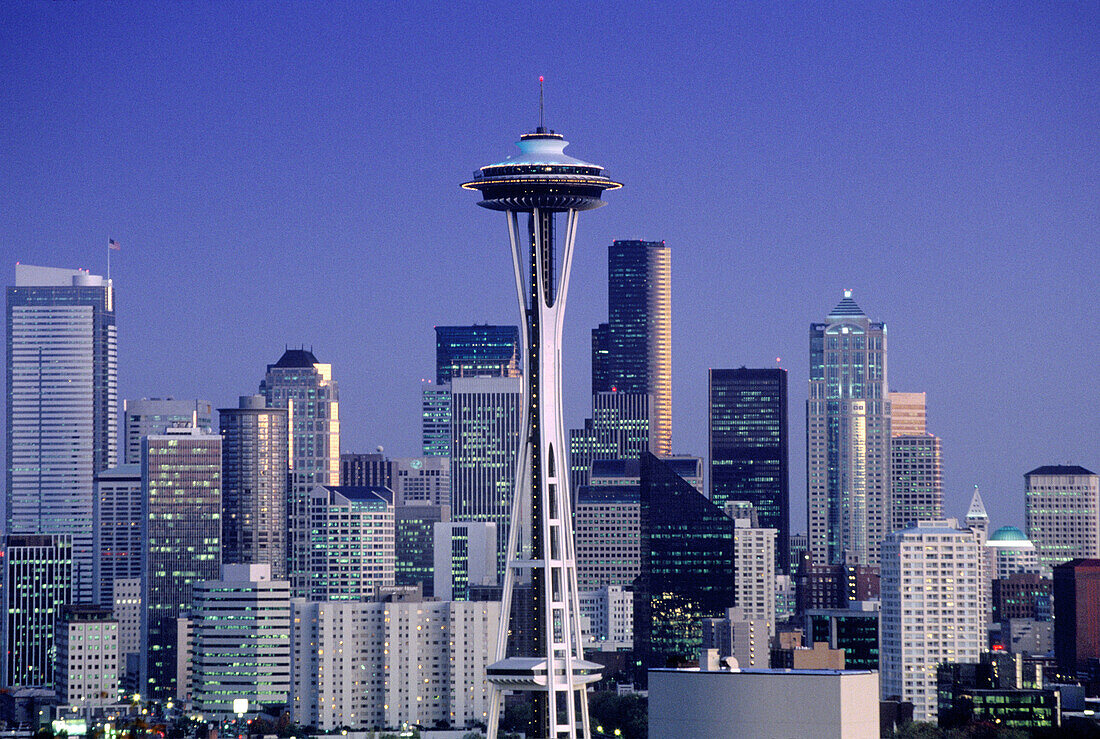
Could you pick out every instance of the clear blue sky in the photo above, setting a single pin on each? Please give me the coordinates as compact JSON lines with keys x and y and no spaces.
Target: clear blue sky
{"x":288,"y":173}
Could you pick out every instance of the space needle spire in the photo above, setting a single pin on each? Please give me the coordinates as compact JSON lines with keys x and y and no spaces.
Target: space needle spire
{"x":537,"y":189}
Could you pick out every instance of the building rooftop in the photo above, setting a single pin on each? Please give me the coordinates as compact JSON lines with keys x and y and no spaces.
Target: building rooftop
{"x":846,"y":307}
{"x":1008,"y":533}
{"x":366,"y":492}
{"x":1060,"y":469}
{"x":296,"y":358}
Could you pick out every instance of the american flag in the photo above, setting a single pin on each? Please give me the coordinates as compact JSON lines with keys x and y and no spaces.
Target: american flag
{"x":112,"y":244}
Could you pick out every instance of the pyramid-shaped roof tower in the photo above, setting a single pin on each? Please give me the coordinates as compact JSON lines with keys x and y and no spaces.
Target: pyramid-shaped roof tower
{"x":977,"y":507}
{"x":847,"y":308}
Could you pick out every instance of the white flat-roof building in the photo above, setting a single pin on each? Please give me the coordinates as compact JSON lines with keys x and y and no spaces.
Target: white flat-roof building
{"x":932,"y":609}
{"x":763,"y":704}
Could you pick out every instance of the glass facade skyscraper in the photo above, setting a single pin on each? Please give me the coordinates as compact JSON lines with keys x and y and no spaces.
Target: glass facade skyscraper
{"x":304,"y":386}
{"x":255,"y":449}
{"x":847,"y":437}
{"x":687,"y":570}
{"x":632,"y":353}
{"x":476,"y":351}
{"x":748,"y":447}
{"x":181,"y":518}
{"x":62,"y":405}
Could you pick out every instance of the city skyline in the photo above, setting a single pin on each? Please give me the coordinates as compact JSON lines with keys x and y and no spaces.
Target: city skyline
{"x":931,"y":160}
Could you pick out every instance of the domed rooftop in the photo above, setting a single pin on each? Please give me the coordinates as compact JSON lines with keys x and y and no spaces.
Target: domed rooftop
{"x":1008,"y":533}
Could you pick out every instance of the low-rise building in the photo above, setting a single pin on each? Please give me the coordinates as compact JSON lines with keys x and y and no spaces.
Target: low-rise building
{"x":87,"y":662}
{"x":760,"y":704}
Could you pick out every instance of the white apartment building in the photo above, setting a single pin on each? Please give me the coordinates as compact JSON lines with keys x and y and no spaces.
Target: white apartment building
{"x":375,"y":665}
{"x":87,"y":663}
{"x":754,"y":558}
{"x":932,"y":609}
{"x":241,"y":640}
{"x":1062,"y":507}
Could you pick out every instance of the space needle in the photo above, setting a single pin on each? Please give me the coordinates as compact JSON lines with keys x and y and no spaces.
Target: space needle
{"x":542,"y":183}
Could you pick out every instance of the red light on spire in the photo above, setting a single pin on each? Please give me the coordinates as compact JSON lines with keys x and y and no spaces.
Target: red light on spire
{"x":540,"y":78}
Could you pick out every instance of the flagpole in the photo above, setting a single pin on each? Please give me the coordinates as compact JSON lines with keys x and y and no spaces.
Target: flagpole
{"x":108,"y":259}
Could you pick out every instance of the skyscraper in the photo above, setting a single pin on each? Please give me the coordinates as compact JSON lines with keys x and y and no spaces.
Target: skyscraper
{"x":931,"y":609}
{"x":117,"y":539}
{"x":916,"y":464}
{"x":255,"y":460}
{"x":634,"y":353}
{"x":540,"y":182}
{"x":157,"y":415}
{"x":485,"y":437}
{"x":1062,"y":507}
{"x":687,"y":572}
{"x":618,"y":429}
{"x":304,"y":386}
{"x":748,"y":447}
{"x":38,"y":578}
{"x":847,"y":437}
{"x":181,"y":518}
{"x":62,"y":405}
{"x":476,"y":351}
{"x":364,"y":470}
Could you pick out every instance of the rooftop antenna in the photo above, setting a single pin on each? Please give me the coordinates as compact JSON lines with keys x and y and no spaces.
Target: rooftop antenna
{"x":542,"y":128}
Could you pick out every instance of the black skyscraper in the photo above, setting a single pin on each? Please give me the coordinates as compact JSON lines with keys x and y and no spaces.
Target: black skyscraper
{"x":748,"y":447}
{"x":476,"y":351}
{"x":687,"y":567}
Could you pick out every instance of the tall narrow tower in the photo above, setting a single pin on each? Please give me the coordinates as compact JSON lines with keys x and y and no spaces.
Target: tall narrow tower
{"x":540,"y":183}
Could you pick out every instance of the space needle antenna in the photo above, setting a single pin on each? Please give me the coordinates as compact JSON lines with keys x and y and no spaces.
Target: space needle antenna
{"x":541,"y":127}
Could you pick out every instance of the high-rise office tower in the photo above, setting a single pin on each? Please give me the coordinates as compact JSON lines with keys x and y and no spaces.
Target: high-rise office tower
{"x":465,"y":556}
{"x":633,"y":354}
{"x":38,"y":578}
{"x":304,"y":386}
{"x":1077,"y":621}
{"x":255,"y":460}
{"x":366,"y":470}
{"x":748,"y":447}
{"x":155,"y":416}
{"x":414,"y":544}
{"x":916,"y":464}
{"x":486,"y":420}
{"x":476,"y":351}
{"x":847,"y":437}
{"x":618,"y":429}
{"x":1062,"y":508}
{"x":116,"y":542}
{"x":62,"y":405}
{"x":539,"y":183}
{"x":422,"y":480}
{"x":350,"y":537}
{"x":182,"y":529}
{"x":916,"y":474}
{"x":931,"y":609}
{"x":606,"y":536}
{"x":463,"y":351}
{"x":687,"y":569}
{"x":241,"y":641}
{"x":908,"y":414}
{"x":435,"y":419}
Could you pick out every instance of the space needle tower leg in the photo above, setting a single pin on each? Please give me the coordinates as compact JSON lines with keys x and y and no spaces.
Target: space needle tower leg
{"x":543,"y":183}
